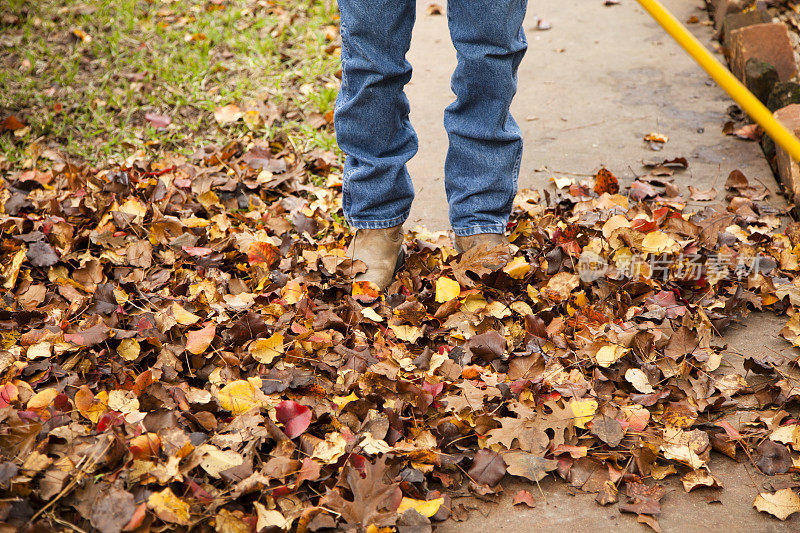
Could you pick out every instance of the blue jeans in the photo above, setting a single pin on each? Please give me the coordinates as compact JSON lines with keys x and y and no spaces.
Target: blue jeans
{"x":374,"y":131}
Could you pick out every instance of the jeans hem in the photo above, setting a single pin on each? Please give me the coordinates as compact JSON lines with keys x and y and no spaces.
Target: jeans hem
{"x":468,"y":231}
{"x":356,"y":223}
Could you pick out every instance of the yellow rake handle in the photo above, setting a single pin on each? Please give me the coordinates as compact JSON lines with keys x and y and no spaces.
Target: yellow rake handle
{"x":736,"y":89}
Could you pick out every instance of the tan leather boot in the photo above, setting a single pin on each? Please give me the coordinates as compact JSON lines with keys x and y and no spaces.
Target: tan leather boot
{"x":486,"y":241}
{"x":382,"y":251}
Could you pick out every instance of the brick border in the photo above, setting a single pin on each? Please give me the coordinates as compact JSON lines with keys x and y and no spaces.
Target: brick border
{"x":760,"y":53}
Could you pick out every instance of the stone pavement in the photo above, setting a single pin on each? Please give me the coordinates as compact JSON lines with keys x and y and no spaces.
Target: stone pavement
{"x":590,"y":89}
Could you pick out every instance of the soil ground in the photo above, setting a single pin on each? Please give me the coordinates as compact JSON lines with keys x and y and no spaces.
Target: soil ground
{"x":590,"y":89}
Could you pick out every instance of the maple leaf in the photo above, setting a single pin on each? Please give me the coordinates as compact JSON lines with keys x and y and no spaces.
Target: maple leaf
{"x":479,"y":260}
{"x":528,"y":430}
{"x":374,"y":501}
{"x":530,"y":466}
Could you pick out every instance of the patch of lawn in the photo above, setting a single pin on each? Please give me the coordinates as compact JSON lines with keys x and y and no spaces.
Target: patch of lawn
{"x":98,"y":79}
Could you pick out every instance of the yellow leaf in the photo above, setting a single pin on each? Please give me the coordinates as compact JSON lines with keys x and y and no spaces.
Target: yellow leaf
{"x":252,"y":118}
{"x":498,"y":310}
{"x":563,"y":284}
{"x":406,"y":333}
{"x":237,"y":397}
{"x":789,"y":434}
{"x":517,"y":268}
{"x":583,"y":410}
{"x":169,"y":507}
{"x":639,"y":380}
{"x":182,"y":316}
{"x":133,"y":207}
{"x":129,"y":349}
{"x":214,"y":461}
{"x":473,"y":303}
{"x":782,"y":504}
{"x":424,"y":507}
{"x":658,"y":242}
{"x":40,"y":349}
{"x":266,"y":350}
{"x":656,"y":137}
{"x":562,"y":182}
{"x":292,"y":292}
{"x":11,"y":272}
{"x":124,"y":401}
{"x":89,"y":405}
{"x":370,"y":314}
{"x":609,"y":354}
{"x":341,"y":401}
{"x":42,"y":399}
{"x":330,"y":449}
{"x":614,"y":223}
{"x":269,"y":518}
{"x":447,"y":289}
{"x":372,"y":446}
{"x":196,"y":222}
{"x":521,"y":307}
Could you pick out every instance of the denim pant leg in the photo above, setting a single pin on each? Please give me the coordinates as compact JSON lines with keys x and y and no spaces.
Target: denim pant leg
{"x":482,"y":164}
{"x":371,"y":117}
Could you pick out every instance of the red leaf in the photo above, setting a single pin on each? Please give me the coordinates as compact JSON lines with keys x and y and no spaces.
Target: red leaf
{"x":137,"y":518}
{"x":295,"y":417}
{"x":8,"y":394}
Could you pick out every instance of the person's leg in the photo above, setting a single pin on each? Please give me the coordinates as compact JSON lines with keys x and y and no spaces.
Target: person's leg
{"x":483,"y":161}
{"x":371,"y":117}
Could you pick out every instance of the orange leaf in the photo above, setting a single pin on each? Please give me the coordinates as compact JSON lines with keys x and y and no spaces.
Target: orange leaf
{"x":11,"y":123}
{"x":199,"y":340}
{"x":262,"y":253}
{"x":605,"y":181}
{"x":145,"y":445}
{"x":365,"y":292}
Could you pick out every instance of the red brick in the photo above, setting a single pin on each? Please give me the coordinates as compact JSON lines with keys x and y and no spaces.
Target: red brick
{"x":721,"y":8}
{"x":734,"y":21}
{"x":788,"y":168}
{"x":767,"y":42}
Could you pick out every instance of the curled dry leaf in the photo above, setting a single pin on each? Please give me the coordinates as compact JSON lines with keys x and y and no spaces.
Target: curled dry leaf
{"x":781,"y":504}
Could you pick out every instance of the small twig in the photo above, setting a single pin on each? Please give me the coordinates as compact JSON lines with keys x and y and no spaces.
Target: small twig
{"x":63,"y":522}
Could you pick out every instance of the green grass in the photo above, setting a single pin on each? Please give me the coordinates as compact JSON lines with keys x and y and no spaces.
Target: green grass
{"x":182,"y":58}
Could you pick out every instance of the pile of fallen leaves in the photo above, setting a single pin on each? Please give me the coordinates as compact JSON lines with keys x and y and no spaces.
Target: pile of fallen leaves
{"x":181,"y":347}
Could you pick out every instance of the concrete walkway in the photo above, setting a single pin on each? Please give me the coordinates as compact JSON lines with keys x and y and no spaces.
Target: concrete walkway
{"x":590,"y":89}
